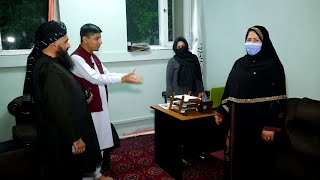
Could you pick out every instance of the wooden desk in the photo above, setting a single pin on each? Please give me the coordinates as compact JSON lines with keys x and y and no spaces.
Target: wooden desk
{"x":177,"y":136}
{"x":191,"y":115}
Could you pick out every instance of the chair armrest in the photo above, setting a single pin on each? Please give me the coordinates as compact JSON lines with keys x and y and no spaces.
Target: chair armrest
{"x":14,"y":107}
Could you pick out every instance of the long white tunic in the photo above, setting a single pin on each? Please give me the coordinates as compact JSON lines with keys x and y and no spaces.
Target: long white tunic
{"x":101,"y":119}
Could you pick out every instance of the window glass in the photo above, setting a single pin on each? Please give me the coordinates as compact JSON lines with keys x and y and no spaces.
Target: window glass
{"x":18,"y":21}
{"x":143,"y":21}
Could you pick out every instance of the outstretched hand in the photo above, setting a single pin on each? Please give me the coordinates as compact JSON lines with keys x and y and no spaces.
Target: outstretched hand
{"x":132,"y":77}
{"x":218,"y":119}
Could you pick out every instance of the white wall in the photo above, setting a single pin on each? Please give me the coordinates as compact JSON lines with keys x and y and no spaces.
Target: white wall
{"x":294,"y":28}
{"x":109,"y":15}
{"x":129,"y":104}
{"x":11,"y":79}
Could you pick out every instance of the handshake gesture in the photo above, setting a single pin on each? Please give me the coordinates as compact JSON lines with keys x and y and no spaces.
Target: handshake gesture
{"x":131,"y":77}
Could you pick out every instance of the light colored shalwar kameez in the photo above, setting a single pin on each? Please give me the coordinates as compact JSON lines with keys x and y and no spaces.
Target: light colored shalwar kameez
{"x":101,"y":119}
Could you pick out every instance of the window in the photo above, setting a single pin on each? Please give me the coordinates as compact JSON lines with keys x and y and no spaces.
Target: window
{"x":18,"y":21}
{"x":151,"y":21}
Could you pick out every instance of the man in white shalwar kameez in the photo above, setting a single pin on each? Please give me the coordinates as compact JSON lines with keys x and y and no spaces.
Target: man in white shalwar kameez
{"x":92,"y":74}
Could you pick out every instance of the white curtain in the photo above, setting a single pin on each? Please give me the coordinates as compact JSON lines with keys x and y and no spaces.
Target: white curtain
{"x":53,"y":10}
{"x":57,"y":11}
{"x":196,"y":36}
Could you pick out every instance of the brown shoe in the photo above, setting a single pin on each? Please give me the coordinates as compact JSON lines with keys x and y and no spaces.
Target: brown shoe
{"x":103,"y":178}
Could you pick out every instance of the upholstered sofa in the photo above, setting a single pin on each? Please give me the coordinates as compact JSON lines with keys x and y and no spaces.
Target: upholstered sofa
{"x":17,"y":158}
{"x":301,"y":160}
{"x":24,"y":131}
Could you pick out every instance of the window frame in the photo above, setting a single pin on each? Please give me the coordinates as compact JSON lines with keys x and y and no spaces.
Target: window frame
{"x":163,"y":23}
{"x":13,"y":52}
{"x":164,"y":42}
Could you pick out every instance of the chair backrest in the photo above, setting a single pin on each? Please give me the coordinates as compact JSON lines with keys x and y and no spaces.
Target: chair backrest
{"x":216,"y":95}
{"x":164,"y":96}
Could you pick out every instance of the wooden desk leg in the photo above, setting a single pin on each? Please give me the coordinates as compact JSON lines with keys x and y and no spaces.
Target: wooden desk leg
{"x":168,"y":147}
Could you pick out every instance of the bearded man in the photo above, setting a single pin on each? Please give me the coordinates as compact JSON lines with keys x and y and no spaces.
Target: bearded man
{"x":67,"y":143}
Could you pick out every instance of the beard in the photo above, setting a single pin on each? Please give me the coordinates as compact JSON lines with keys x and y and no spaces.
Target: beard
{"x":64,"y":59}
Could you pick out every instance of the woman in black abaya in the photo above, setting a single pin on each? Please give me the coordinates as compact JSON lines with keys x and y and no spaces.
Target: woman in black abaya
{"x":252,"y":109}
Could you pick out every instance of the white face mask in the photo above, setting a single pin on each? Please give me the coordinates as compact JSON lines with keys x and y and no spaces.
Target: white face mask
{"x":253,"y":48}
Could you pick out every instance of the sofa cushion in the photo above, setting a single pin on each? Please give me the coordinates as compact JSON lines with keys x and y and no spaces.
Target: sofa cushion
{"x":294,"y":165}
{"x":308,"y":114}
{"x":291,"y":104}
{"x":303,"y":129}
{"x":18,"y":164}
{"x":25,"y":133}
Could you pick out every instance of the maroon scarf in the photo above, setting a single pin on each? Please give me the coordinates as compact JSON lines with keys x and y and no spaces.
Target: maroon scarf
{"x":96,"y":104}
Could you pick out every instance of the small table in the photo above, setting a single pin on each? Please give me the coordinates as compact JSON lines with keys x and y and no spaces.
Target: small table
{"x":177,"y":134}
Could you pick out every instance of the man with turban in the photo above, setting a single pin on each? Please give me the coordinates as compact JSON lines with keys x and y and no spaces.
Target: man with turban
{"x":67,"y":143}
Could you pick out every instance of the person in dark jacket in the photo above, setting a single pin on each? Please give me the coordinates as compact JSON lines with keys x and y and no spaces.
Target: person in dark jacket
{"x":66,"y":144}
{"x":183,"y":71}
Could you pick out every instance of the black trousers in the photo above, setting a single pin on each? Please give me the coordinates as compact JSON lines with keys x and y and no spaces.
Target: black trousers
{"x":106,"y":159}
{"x":58,"y":163}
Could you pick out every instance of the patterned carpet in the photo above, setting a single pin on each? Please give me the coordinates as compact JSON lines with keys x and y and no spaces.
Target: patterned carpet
{"x":134,"y":160}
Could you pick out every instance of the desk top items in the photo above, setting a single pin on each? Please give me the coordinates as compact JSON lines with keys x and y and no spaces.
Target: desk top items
{"x":185,"y":103}
{"x":205,"y":106}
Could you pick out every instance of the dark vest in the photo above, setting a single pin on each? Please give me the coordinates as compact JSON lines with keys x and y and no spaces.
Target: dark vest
{"x":96,"y":104}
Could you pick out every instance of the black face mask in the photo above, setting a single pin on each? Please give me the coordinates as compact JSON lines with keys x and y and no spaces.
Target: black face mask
{"x":183,"y":50}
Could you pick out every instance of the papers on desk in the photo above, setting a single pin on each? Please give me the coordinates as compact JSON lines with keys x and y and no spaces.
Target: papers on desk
{"x":183,"y":110}
{"x":186,"y":97}
{"x":185,"y":104}
{"x":188,"y":103}
{"x":166,"y":106}
{"x":176,"y":107}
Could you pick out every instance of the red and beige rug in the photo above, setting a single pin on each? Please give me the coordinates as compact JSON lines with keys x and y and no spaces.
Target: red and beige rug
{"x":134,"y":160}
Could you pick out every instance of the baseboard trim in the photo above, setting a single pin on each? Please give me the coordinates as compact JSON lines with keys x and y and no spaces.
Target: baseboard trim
{"x":135,"y":127}
{"x":125,"y":121}
{"x":135,"y":135}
